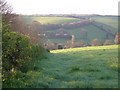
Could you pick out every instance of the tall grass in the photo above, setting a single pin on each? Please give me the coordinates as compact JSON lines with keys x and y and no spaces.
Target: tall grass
{"x":88,"y":67}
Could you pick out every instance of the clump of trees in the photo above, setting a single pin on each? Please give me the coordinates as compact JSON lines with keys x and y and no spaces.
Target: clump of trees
{"x":108,"y":42}
{"x":96,"y":42}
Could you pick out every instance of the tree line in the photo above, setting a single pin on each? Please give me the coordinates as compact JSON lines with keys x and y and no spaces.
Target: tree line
{"x":73,"y":44}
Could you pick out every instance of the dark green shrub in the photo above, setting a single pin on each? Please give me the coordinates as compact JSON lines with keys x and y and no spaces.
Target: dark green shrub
{"x":16,"y":53}
{"x":16,"y":50}
{"x":18,"y":57}
{"x":48,"y":50}
{"x":60,"y":47}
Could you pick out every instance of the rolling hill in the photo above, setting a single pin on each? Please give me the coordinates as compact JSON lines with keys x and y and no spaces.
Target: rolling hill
{"x":55,"y":20}
{"x":106,"y":25}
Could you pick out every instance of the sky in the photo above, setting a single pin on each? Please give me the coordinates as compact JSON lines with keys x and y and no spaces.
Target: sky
{"x":102,"y":7}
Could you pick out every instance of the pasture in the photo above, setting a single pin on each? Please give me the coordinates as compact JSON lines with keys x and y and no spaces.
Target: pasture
{"x":87,"y":67}
{"x":112,"y":21}
{"x":92,"y":33}
{"x":55,"y":20}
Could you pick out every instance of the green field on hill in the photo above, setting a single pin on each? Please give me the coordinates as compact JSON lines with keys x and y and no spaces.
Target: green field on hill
{"x":87,"y":67}
{"x":92,"y":31}
{"x":112,"y":21}
{"x":55,"y":20}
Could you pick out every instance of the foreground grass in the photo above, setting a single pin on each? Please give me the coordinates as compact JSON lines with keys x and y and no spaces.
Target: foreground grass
{"x":87,"y":67}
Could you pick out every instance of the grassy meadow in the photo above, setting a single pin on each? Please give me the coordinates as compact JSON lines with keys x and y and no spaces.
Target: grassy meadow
{"x":92,"y":31}
{"x":111,"y":21}
{"x":87,"y":67}
{"x":55,"y":20}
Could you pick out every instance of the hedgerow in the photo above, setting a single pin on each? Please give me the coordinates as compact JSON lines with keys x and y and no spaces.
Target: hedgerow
{"x":17,"y":53}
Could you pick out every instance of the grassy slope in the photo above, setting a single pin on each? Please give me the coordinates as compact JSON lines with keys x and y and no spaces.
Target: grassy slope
{"x":88,"y":67}
{"x":55,"y":20}
{"x":93,"y":32}
{"x":112,"y":21}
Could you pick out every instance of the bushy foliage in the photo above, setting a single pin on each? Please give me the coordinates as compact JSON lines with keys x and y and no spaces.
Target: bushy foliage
{"x":38,"y":51}
{"x":18,"y":53}
{"x":96,"y":42}
{"x":60,"y":47}
{"x":108,"y":42}
{"x":16,"y":49}
{"x":117,"y":38}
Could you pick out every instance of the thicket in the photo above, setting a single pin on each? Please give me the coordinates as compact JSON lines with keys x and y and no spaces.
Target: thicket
{"x":18,"y":54}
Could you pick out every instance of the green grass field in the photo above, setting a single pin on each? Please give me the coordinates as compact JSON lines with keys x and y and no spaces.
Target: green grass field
{"x":93,"y":32}
{"x":55,"y":20}
{"x":112,"y":21}
{"x":87,"y":67}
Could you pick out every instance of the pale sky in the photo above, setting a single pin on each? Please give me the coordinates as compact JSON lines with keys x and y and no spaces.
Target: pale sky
{"x":102,"y":7}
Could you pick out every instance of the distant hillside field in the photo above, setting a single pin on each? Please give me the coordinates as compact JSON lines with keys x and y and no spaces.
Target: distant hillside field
{"x":112,"y":21}
{"x":88,"y":67}
{"x":55,"y":20}
{"x":93,"y":32}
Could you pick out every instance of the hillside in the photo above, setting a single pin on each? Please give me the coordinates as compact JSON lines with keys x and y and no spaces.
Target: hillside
{"x":112,"y":21}
{"x":88,"y":67}
{"x":92,"y":31}
{"x":55,"y":20}
{"x":103,"y":28}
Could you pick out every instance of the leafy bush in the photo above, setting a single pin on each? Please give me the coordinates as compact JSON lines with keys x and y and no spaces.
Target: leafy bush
{"x":18,"y":52}
{"x":60,"y":47}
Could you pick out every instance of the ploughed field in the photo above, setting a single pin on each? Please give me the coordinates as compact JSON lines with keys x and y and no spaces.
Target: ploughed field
{"x":86,"y":67}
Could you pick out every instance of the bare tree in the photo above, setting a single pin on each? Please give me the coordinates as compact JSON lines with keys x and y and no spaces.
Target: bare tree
{"x":117,"y":38}
{"x":108,"y":42}
{"x":73,"y":40}
{"x":38,"y":34}
{"x":5,"y":11}
{"x":95,"y":42}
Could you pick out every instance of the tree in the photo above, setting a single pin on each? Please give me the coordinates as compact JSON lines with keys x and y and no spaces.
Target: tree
{"x":73,"y":40}
{"x":60,"y":47}
{"x":5,"y":10}
{"x":68,"y":44}
{"x":108,"y":42}
{"x":95,"y":42}
{"x":117,"y":38}
{"x":37,"y":33}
